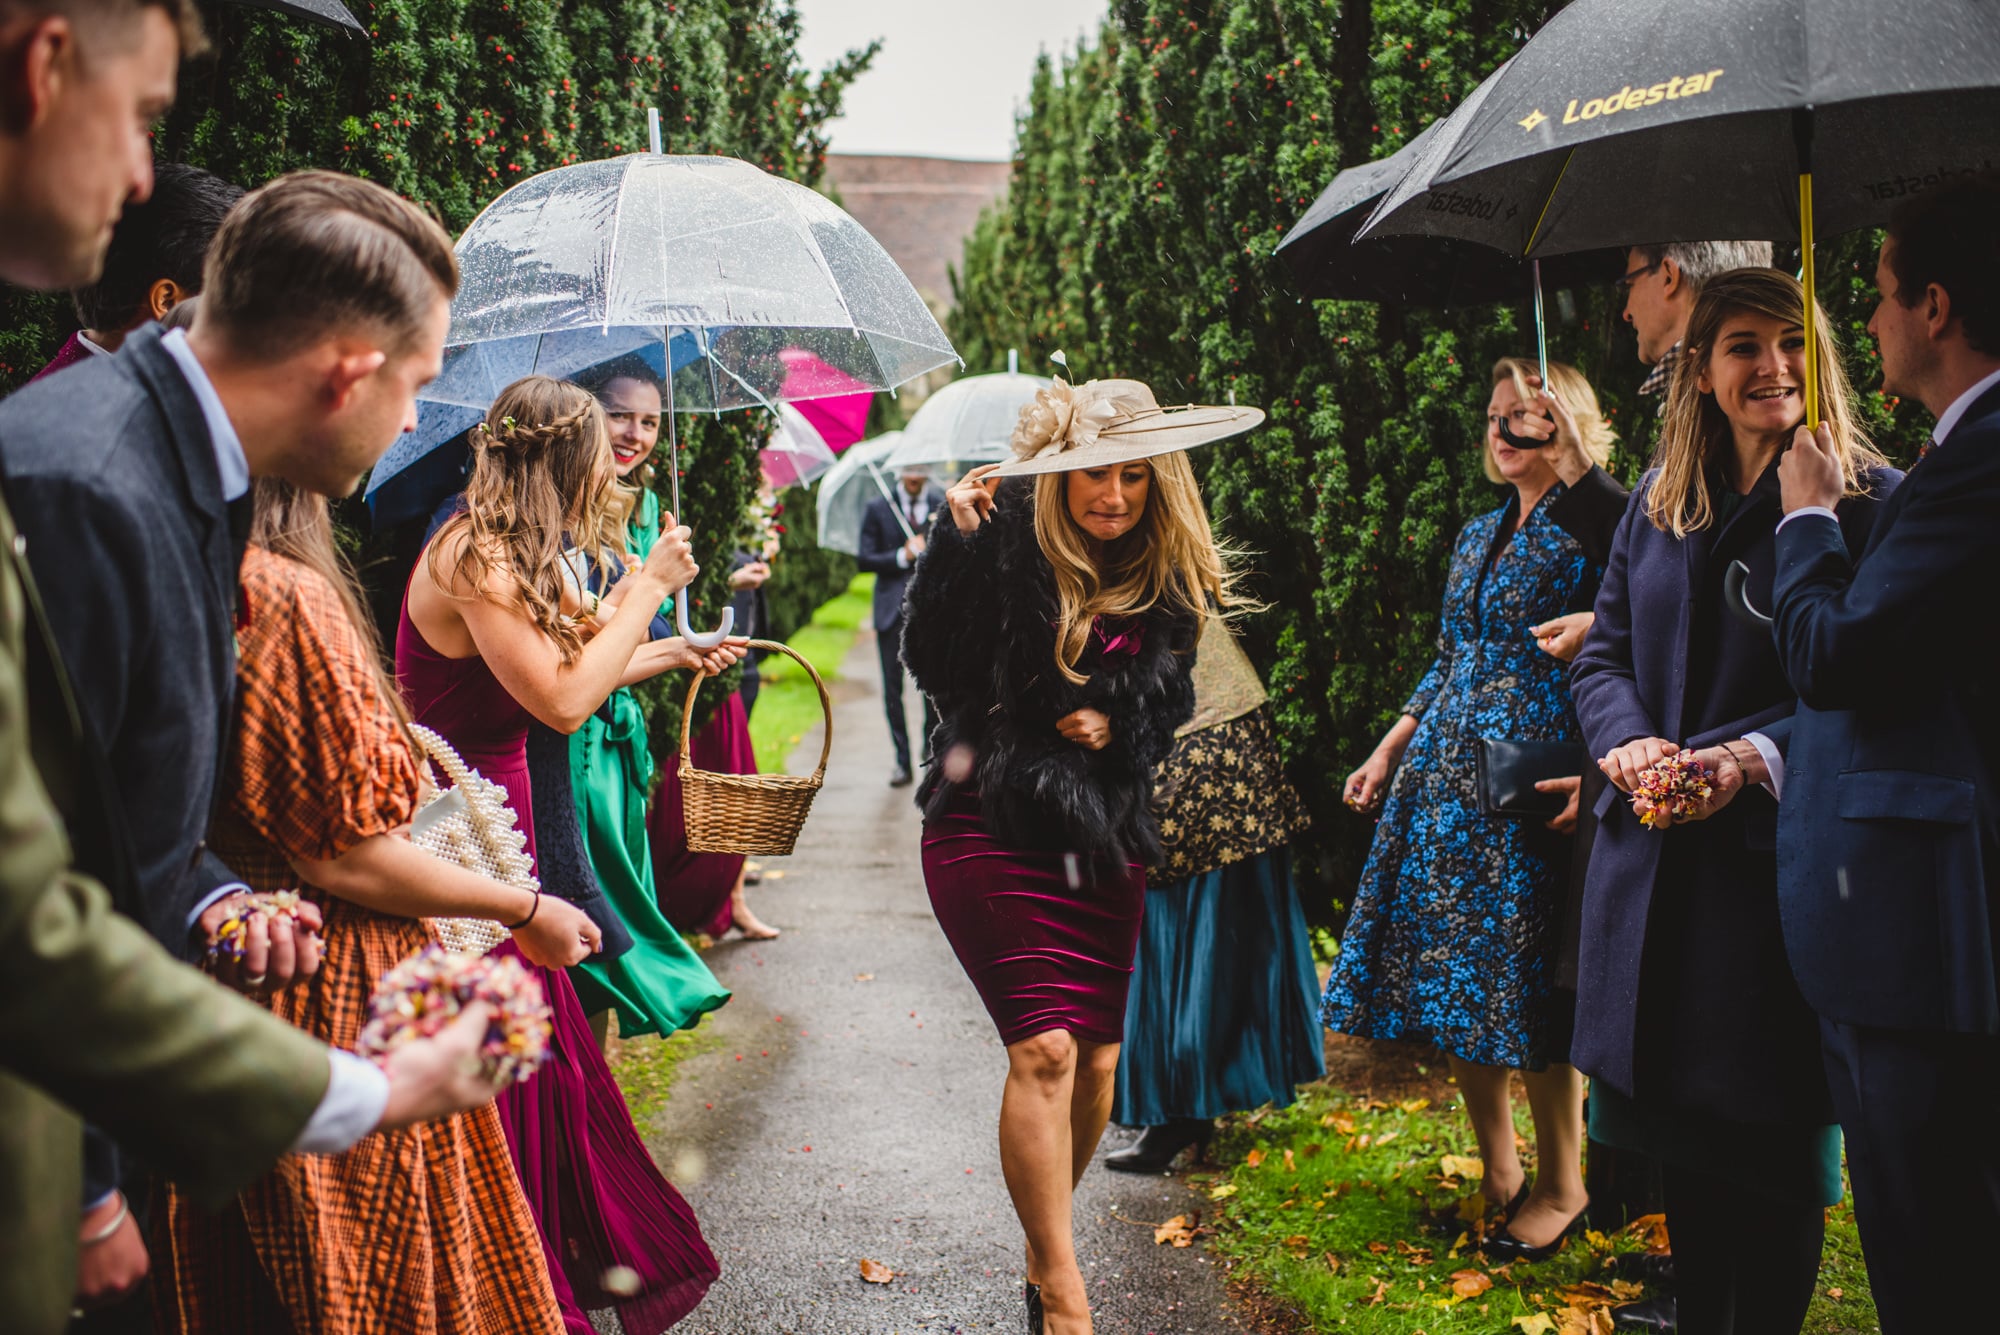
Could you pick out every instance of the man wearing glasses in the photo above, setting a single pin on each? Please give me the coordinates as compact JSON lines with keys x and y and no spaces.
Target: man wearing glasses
{"x":1659,"y":286}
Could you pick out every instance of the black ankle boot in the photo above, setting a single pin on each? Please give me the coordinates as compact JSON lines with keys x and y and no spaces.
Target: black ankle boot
{"x":1158,"y":1146}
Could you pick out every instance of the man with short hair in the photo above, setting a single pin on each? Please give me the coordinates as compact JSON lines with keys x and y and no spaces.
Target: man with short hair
{"x":1661,"y":282}
{"x":94,"y":1016}
{"x":1889,"y":827}
{"x":892,"y":538}
{"x":153,"y":264}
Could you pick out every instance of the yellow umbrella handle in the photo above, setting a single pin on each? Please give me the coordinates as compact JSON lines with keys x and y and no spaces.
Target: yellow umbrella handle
{"x":1809,"y":280}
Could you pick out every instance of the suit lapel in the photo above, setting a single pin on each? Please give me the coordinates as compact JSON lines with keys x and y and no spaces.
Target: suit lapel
{"x":193,"y":452}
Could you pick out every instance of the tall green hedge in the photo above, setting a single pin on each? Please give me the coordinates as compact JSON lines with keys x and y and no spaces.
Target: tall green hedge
{"x":449,"y":102}
{"x":1156,"y":169}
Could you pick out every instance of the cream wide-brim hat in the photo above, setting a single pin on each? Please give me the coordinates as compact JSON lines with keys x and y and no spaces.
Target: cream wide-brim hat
{"x":1103,"y":423}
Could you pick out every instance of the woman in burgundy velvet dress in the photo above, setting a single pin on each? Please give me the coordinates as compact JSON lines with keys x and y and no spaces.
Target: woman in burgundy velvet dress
{"x":1053,"y":623}
{"x":491,"y":636}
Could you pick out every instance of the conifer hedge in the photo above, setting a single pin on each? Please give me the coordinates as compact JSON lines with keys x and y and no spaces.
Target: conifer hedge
{"x":449,"y":102}
{"x":1156,"y":169}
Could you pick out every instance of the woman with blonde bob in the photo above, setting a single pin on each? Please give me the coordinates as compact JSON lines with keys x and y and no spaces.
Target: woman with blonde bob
{"x":1456,"y":923}
{"x":1053,"y":620}
{"x":496,"y":631}
{"x":1701,"y":1050}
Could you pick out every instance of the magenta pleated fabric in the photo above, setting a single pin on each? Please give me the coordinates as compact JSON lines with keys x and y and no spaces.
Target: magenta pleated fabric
{"x":599,"y":1201}
{"x":1047,"y":938}
{"x":694,"y":888}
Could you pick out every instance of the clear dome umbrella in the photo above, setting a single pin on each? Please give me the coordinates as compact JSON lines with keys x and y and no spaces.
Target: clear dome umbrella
{"x":847,"y":489}
{"x":795,"y":453}
{"x":709,"y":267}
{"x":969,"y":421}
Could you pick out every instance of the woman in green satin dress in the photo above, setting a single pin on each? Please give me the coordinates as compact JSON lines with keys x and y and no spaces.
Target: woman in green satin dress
{"x":661,"y":984}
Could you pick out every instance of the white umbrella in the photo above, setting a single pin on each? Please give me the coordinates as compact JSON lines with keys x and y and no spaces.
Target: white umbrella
{"x":795,"y":453}
{"x":969,"y":421}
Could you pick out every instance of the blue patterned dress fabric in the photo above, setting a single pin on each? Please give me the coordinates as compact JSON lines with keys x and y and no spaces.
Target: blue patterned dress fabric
{"x":1453,"y":935}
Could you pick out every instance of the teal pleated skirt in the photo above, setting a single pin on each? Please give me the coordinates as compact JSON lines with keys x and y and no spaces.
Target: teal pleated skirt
{"x":1222,"y":1015}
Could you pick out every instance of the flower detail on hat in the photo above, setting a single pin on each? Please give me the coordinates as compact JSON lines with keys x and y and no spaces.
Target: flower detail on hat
{"x":1061,"y":418}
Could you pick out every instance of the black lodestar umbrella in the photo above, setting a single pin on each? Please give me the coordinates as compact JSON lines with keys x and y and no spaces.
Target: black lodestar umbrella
{"x":330,"y":12}
{"x":1630,"y":121}
{"x":1416,"y":271}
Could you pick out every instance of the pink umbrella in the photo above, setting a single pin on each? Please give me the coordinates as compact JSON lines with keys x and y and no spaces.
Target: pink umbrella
{"x":832,"y":400}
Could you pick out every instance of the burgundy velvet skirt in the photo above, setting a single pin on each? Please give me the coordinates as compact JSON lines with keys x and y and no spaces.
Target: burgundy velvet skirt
{"x":1047,"y":938}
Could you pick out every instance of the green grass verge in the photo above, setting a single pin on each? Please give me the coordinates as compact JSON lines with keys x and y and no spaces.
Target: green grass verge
{"x":646,"y":1067}
{"x":1321,"y":1208}
{"x":787,"y":704}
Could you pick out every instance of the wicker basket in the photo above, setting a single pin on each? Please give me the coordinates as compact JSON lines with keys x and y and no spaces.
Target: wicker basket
{"x":469,"y":824}
{"x":749,"y":813}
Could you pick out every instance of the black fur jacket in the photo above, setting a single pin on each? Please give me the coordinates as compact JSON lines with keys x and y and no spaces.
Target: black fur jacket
{"x":979,"y":637}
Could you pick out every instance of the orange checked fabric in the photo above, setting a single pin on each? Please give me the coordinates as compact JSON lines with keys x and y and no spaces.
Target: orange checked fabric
{"x":419,"y":1232}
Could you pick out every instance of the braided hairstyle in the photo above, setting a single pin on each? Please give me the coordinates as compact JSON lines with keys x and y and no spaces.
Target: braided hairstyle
{"x":541,"y":472}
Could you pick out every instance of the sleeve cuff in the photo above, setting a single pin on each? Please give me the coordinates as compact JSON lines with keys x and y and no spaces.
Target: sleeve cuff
{"x":902,"y":558}
{"x":357,"y":1093}
{"x":1774,"y":761}
{"x":1809,"y":510}
{"x":208,"y":901}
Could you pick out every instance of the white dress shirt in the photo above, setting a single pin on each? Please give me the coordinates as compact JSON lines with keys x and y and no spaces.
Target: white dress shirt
{"x":356,"y":1091}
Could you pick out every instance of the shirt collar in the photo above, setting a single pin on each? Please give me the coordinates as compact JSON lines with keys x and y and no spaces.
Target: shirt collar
{"x":1948,"y":419}
{"x":231,"y":466}
{"x":90,"y":345}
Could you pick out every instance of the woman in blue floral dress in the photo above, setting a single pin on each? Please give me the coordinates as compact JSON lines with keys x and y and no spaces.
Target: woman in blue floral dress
{"x":1457,"y":918}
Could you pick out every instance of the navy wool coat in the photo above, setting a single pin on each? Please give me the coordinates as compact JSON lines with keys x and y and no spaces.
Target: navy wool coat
{"x":1683,"y":990}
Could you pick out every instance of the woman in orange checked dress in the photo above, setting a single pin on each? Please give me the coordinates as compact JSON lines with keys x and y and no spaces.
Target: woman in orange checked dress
{"x":423,"y":1231}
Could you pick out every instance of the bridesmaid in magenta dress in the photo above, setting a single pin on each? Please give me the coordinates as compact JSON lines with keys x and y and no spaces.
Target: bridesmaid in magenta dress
{"x":1052,"y":621}
{"x":480,"y":650}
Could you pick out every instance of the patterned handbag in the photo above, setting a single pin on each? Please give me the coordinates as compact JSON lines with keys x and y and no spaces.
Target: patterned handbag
{"x":469,"y":824}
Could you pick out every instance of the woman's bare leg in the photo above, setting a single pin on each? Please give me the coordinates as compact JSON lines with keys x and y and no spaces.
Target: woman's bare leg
{"x":1090,"y":1102}
{"x":1555,"y":1096}
{"x":1490,"y":1105}
{"x":1036,"y":1158}
{"x":748,"y":923}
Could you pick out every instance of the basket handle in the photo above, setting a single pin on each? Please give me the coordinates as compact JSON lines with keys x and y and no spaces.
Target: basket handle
{"x":825,"y":704}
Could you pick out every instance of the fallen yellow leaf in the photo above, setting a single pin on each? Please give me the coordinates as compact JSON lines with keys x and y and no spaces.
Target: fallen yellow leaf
{"x":1298,"y":1242}
{"x":1470,"y":1283}
{"x":1537,"y":1323}
{"x":1255,"y":1158}
{"x":1382,"y":1285}
{"x":1467,"y":1166}
{"x":1834,"y":1294}
{"x":1290,"y":1165}
{"x":1414,"y":1105}
{"x":1176,"y":1230}
{"x":1388,"y":1136}
{"x":1223,"y":1192}
{"x":876,"y":1273}
{"x":1332,"y":1261}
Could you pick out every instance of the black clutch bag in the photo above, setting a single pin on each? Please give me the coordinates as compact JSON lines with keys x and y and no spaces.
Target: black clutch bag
{"x":1509,"y":771}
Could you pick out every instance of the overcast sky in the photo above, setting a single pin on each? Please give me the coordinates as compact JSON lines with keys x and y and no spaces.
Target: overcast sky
{"x":950,"y":74}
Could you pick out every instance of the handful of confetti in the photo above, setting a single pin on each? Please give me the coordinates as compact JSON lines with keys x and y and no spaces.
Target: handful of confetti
{"x":1674,"y":788}
{"x":426,"y":992}
{"x":233,"y":935}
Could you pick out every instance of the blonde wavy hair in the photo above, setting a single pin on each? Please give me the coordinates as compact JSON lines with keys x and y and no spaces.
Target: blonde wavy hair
{"x":1170,"y":557}
{"x":541,"y":479}
{"x":1568,"y":387}
{"x":1694,"y":425}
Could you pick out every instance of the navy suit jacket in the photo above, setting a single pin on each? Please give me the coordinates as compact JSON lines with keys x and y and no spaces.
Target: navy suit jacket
{"x":881,"y":538}
{"x":1889,"y":837}
{"x":112,"y":477}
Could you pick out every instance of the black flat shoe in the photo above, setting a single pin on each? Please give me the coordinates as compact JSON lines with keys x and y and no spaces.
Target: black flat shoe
{"x":1655,"y":1314}
{"x":1158,"y":1146}
{"x":1033,"y":1293}
{"x":1505,"y":1247}
{"x":1650,"y":1268}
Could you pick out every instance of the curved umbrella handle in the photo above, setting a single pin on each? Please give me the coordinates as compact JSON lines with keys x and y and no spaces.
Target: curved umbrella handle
{"x":712,"y":638}
{"x":1736,"y":596}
